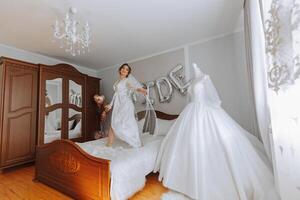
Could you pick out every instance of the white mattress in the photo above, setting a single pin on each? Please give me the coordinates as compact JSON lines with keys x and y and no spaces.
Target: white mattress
{"x":129,"y":166}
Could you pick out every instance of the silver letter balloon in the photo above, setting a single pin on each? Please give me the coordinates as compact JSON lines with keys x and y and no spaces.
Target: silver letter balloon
{"x":164,"y":85}
{"x":178,"y":79}
{"x":149,"y":85}
{"x":164,"y":81}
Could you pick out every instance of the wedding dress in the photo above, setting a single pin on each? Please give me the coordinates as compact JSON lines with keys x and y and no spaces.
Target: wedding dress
{"x":206,"y":155}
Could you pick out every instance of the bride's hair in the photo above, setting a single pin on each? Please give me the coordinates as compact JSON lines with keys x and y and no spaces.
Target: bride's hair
{"x":125,"y":65}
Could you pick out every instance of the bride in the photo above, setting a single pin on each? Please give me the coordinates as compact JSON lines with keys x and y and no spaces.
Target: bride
{"x":123,"y":122}
{"x":207,"y":156}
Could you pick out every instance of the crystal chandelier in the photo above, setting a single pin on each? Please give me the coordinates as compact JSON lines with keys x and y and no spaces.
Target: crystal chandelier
{"x":71,"y":39}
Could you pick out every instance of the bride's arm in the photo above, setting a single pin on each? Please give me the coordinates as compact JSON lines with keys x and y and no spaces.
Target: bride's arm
{"x":139,"y":89}
{"x":134,"y":85}
{"x":142,"y":90}
{"x":110,"y":105}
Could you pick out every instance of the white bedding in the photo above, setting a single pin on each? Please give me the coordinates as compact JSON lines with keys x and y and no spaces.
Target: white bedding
{"x":129,"y":166}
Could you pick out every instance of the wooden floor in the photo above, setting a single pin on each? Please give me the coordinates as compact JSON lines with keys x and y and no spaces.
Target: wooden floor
{"x":17,"y":184}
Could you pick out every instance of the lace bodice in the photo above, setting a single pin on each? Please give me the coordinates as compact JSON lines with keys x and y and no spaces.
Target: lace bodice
{"x":122,"y":87}
{"x":202,"y":90}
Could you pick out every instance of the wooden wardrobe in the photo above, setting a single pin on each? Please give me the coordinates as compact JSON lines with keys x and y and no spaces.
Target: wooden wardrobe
{"x":18,"y":109}
{"x":22,"y":94}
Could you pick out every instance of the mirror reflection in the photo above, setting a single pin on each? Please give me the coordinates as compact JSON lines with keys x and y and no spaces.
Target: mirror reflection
{"x":52,"y":126}
{"x":75,"y":124}
{"x":53,"y":92}
{"x":75,"y":96}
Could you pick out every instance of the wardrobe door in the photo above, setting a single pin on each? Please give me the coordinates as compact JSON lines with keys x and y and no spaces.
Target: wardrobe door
{"x":92,"y":117}
{"x":52,"y":109}
{"x":19,"y":113}
{"x":76,"y":108}
{"x":51,"y":106}
{"x":61,"y":104}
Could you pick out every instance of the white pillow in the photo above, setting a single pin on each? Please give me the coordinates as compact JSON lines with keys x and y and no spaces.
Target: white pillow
{"x":163,"y":126}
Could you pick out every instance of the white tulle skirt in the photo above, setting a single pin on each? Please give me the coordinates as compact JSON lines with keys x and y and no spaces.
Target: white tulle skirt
{"x":208,"y":156}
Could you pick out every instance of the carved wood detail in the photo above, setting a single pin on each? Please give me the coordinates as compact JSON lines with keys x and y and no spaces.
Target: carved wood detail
{"x":64,"y":162}
{"x":63,"y":69}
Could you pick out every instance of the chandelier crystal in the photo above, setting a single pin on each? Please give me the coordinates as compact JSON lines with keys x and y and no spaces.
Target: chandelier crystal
{"x":70,"y":38}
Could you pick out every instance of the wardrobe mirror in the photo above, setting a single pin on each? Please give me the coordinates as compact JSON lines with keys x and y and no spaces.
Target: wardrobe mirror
{"x":75,"y":124}
{"x":75,"y":93}
{"x":53,"y":92}
{"x":52,"y":125}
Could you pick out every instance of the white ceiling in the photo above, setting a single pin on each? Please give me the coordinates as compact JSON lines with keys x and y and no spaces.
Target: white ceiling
{"x":122,"y":30}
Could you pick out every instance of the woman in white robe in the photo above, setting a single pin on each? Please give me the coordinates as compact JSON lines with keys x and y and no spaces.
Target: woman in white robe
{"x":123,"y":122}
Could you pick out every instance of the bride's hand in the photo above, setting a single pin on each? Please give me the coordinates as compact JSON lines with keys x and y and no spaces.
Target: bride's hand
{"x":142,"y":90}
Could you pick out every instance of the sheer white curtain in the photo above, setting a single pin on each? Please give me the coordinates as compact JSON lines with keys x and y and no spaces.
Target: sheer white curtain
{"x":281,"y":71}
{"x":255,"y":49}
{"x":282,"y":33}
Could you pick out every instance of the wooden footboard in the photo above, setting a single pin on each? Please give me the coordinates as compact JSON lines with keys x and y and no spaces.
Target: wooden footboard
{"x":64,"y":166}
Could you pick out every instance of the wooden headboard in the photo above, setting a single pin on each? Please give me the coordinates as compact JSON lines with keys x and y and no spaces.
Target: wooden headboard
{"x":159,"y":114}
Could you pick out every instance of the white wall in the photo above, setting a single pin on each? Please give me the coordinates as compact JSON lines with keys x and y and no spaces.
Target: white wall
{"x":222,"y":57}
{"x":162,"y":64}
{"x":35,"y":58}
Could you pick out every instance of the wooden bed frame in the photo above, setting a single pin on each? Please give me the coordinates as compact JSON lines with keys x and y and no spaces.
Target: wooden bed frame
{"x":64,"y":166}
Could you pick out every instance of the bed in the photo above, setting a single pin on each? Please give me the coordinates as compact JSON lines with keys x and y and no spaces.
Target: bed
{"x":92,"y":171}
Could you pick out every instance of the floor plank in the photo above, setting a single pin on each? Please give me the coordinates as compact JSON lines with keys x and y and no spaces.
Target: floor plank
{"x":17,"y":184}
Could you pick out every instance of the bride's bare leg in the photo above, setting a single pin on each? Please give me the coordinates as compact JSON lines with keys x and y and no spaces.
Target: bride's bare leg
{"x":111,"y":137}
